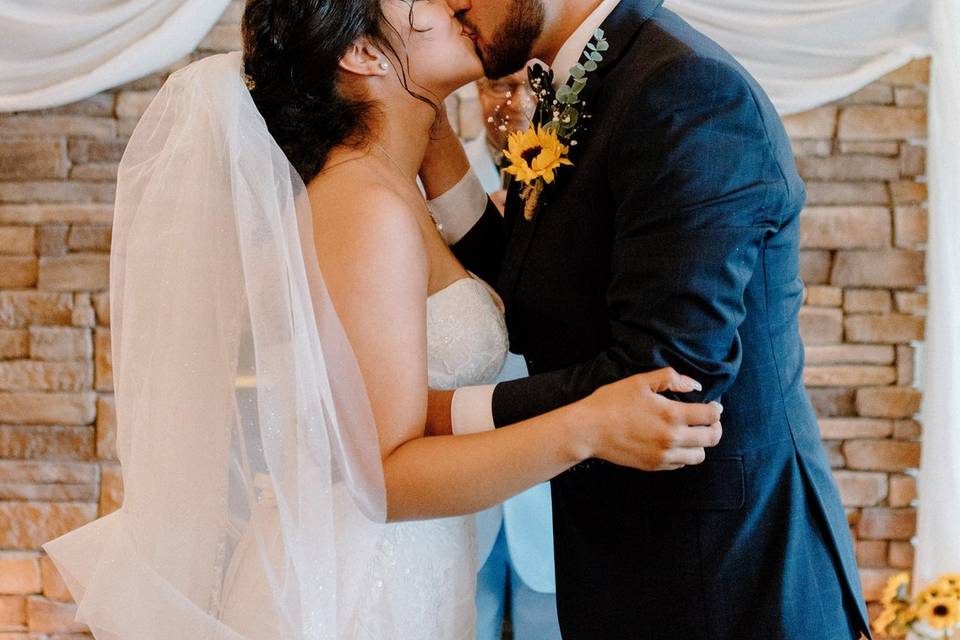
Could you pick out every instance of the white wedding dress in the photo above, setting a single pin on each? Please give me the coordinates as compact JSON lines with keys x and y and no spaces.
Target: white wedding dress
{"x":403,"y":581}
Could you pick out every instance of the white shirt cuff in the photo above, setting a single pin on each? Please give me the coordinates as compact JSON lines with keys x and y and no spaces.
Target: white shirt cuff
{"x":471,"y":410}
{"x":457,"y":210}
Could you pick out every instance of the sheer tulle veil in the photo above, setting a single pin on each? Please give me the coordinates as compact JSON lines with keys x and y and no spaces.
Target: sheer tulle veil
{"x":233,"y":379}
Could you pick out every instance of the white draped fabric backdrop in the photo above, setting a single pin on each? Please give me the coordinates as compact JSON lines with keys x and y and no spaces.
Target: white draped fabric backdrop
{"x":804,"y":52}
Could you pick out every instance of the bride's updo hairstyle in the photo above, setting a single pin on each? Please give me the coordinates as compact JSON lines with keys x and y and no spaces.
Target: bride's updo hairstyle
{"x":291,"y":53}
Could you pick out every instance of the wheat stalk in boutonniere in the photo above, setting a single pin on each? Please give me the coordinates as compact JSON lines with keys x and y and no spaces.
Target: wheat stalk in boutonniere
{"x":537,"y":153}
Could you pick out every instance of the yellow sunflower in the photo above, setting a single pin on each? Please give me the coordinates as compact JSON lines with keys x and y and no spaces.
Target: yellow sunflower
{"x":949,"y":583}
{"x":884,"y":620}
{"x":535,"y":153}
{"x":941,"y":613}
{"x":896,"y":589}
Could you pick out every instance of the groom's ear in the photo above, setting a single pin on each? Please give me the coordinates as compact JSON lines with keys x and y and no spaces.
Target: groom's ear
{"x":363,"y":59}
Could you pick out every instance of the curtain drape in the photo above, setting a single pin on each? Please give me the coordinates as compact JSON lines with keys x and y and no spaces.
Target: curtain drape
{"x":54,"y":52}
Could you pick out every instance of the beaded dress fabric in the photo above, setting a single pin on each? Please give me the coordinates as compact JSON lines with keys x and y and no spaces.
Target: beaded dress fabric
{"x":419,"y":581}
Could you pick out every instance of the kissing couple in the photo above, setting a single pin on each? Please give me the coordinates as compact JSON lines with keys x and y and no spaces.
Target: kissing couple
{"x":305,"y":345}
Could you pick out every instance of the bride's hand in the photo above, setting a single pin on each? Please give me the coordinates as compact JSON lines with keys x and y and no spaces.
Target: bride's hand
{"x":632,"y":425}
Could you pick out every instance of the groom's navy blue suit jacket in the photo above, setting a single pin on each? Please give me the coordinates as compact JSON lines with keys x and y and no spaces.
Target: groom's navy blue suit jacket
{"x":673,"y":241}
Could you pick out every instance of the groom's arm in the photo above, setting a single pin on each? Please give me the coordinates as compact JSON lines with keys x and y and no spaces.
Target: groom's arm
{"x":699,"y":189}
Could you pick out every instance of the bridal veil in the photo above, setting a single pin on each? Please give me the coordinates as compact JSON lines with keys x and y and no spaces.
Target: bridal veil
{"x":234,"y":380}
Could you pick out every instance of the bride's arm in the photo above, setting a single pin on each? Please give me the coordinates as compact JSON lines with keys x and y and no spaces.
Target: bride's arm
{"x":375,"y":266}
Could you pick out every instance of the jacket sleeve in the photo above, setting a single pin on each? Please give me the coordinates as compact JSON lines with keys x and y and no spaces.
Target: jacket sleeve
{"x":482,"y":249}
{"x":698,"y":188}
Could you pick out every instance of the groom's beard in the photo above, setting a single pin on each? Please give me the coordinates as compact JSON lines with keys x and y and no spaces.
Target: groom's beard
{"x":511,"y":46}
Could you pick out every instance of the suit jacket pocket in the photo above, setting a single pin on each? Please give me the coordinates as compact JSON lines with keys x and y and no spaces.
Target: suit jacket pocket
{"x":715,"y":485}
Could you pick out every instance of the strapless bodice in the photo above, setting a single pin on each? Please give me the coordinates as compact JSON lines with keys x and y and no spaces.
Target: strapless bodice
{"x":466,"y":335}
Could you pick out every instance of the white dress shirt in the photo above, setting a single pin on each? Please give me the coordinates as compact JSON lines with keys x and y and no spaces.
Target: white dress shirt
{"x":459,"y":209}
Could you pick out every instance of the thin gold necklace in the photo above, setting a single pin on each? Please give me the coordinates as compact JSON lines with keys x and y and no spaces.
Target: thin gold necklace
{"x":396,"y":164}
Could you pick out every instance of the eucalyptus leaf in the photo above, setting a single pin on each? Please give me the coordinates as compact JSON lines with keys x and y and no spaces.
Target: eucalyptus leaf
{"x":591,"y":46}
{"x":578,"y":85}
{"x":567,"y":97}
{"x":598,"y":34}
{"x":603,"y":45}
{"x":590,"y":65}
{"x":595,"y":56}
{"x":578,"y":71}
{"x":569,"y":118}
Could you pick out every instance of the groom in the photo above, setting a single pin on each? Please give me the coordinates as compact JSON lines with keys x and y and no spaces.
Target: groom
{"x":671,"y":241}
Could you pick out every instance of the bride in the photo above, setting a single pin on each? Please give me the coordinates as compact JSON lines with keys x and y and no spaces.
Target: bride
{"x":281,"y":479}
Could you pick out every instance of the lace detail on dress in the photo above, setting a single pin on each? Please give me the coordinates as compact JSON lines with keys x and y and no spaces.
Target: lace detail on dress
{"x":466,"y":335}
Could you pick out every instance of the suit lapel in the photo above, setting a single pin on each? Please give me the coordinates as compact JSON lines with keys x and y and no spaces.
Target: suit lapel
{"x":620,"y":28}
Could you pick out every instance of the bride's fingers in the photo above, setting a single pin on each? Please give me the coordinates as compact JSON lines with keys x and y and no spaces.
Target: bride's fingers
{"x":699,"y":437}
{"x":667,"y":379}
{"x":691,"y":456}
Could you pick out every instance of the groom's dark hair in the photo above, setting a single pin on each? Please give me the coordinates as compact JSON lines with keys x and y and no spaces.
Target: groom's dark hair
{"x":291,"y":54}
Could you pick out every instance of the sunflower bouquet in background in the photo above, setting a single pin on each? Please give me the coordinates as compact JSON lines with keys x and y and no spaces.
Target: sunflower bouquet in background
{"x":932,"y":613}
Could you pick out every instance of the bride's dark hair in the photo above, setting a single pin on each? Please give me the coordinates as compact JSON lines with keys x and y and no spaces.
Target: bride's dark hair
{"x":291,"y":54}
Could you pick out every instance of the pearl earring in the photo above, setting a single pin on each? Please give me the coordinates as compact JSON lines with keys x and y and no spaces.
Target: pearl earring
{"x":384,"y":66}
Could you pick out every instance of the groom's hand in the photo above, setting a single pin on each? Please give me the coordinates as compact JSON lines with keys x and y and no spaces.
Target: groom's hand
{"x":637,"y":427}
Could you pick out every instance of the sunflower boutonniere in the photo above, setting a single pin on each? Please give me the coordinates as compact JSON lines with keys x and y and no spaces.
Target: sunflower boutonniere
{"x":537,"y":153}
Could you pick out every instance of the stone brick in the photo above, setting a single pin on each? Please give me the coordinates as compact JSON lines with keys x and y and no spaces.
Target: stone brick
{"x":32,"y":375}
{"x":22,"y":308}
{"x":47,"y":408}
{"x":876,"y":93}
{"x":848,"y":428}
{"x":47,"y":616}
{"x":14,"y":343}
{"x":913,"y":161}
{"x":882,"y":123}
{"x":879,"y":523}
{"x":861,"y":489}
{"x":60,"y":344}
{"x":903,"y":490}
{"x":910,"y":97}
{"x":52,"y":239}
{"x":86,"y":237}
{"x":815,"y":123}
{"x":870,"y":148}
{"x":901,"y":555}
{"x":908,"y":192}
{"x":892,"y":268}
{"x":77,"y":126}
{"x":907,"y":429}
{"x":867,"y":301}
{"x":848,"y":375}
{"x":885,"y":329}
{"x":42,"y":472}
{"x":48,"y":492}
{"x":872,"y":553}
{"x":906,"y":358}
{"x":915,"y":72}
{"x":57,"y":213}
{"x":881,"y":455}
{"x":111,"y":489}
{"x":83,"y":312}
{"x":95,"y":151}
{"x":17,"y":240}
{"x":32,"y":158}
{"x":27,"y":525}
{"x":18,"y":272}
{"x":834,"y":454}
{"x":910,"y":226}
{"x":820,"y":296}
{"x":98,"y":105}
{"x":850,"y":354}
{"x":819,"y":325}
{"x":101,"y":303}
{"x":46,"y":442}
{"x":888,"y":402}
{"x":95,"y":172}
{"x":13,"y":613}
{"x":910,"y":302}
{"x":815,"y":266}
{"x":132,"y":104}
{"x":106,"y":428}
{"x":849,"y":168}
{"x":845,"y":227}
{"x":19,"y":573}
{"x":103,"y":359}
{"x":75,"y":272}
{"x":820,"y":148}
{"x":833,"y":401}
{"x":847,"y":193}
{"x":53,"y":585}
